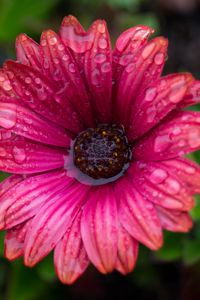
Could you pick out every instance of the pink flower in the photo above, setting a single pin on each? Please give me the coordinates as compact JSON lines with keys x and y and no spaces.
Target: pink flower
{"x":95,"y":138}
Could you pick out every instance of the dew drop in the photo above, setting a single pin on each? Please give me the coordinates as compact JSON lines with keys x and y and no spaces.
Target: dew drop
{"x":28,"y":80}
{"x":151,"y":114}
{"x":65,"y":57}
{"x":161,"y":143}
{"x":103,"y":43}
{"x":190,"y":170}
{"x":95,"y":77}
{"x":43,"y":43}
{"x":159,"y":58}
{"x":101,"y":28}
{"x":6,"y":85}
{"x":19,"y":155}
{"x":72,"y":68}
{"x":150,"y":94}
{"x":106,"y":67}
{"x":2,"y":78}
{"x":2,"y":151}
{"x":61,"y":47}
{"x":100,"y":58}
{"x":158,"y":176}
{"x":176,"y":130}
{"x":53,"y":40}
{"x":148,"y":50}
{"x":194,"y":138}
{"x":173,"y":186}
{"x":130,"y":68}
{"x":7,"y":118}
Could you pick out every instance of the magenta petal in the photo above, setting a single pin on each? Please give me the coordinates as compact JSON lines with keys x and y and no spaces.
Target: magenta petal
{"x":192,"y":96}
{"x":23,"y":200}
{"x":178,"y":135}
{"x":9,"y":182}
{"x":98,"y":71}
{"x":14,"y":241}
{"x":127,"y":252}
{"x":28,"y":51}
{"x":61,"y":68}
{"x":99,"y":227}
{"x":174,"y":220}
{"x":128,"y":44}
{"x":52,"y":222}
{"x":40,"y":94}
{"x":156,"y":101}
{"x":22,"y":156}
{"x":24,"y":122}
{"x":138,"y":216}
{"x":7,"y":94}
{"x":145,"y":69}
{"x":70,"y":257}
{"x":188,"y":172}
{"x":160,"y":185}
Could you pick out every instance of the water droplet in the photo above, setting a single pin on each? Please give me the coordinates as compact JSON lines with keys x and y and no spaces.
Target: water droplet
{"x":161,"y":143}
{"x":173,"y":186}
{"x":101,"y":28}
{"x":28,"y":80}
{"x":72,"y":68}
{"x":148,"y":50}
{"x":100,"y":58}
{"x":106,"y":67}
{"x":6,"y":85}
{"x":130,"y":68}
{"x":103,"y":43}
{"x":194,"y":138}
{"x":65,"y":57}
{"x":19,"y":154}
{"x":176,"y":95}
{"x":7,"y":118}
{"x":158,"y":176}
{"x":95,"y":77}
{"x":150,"y":94}
{"x":53,"y":40}
{"x":159,"y":58}
{"x":151,"y":114}
{"x":2,"y":78}
{"x":43,"y":43}
{"x":190,"y":170}
{"x":56,"y":61}
{"x":176,"y":130}
{"x":61,"y":47}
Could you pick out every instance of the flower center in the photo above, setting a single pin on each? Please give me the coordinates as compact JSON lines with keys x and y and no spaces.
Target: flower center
{"x":102,"y":152}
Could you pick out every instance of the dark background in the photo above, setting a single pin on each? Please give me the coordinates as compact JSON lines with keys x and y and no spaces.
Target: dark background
{"x":172,"y":272}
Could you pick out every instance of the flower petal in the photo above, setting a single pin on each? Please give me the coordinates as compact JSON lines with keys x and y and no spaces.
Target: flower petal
{"x":155,"y":102}
{"x":174,"y":220}
{"x":128,"y":44}
{"x":192,"y":96}
{"x":99,"y":228}
{"x":28,"y":51}
{"x":145,"y":68}
{"x":40,"y":94}
{"x":22,"y":156}
{"x":14,"y":241}
{"x":160,"y":185}
{"x":24,"y":122}
{"x":138,"y":216}
{"x":9,"y":182}
{"x":52,"y":222}
{"x":188,"y":172}
{"x":127,"y":252}
{"x":63,"y":70}
{"x":22,"y":201}
{"x":70,"y":257}
{"x":177,"y":135}
{"x":7,"y":94}
{"x":98,"y":71}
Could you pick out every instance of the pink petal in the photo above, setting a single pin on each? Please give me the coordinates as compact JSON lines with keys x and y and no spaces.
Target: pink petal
{"x":160,"y":185}
{"x":128,"y":44}
{"x":98,"y":70}
{"x":174,"y":220}
{"x":99,"y":227}
{"x":40,"y":94}
{"x":127,"y":252}
{"x":192,"y":96}
{"x":7,"y":94}
{"x":14,"y":241}
{"x":22,"y":201}
{"x":63,"y":70}
{"x":28,"y":51}
{"x":187,"y":171}
{"x":138,"y":216}
{"x":22,"y":156}
{"x":9,"y":182}
{"x":52,"y":222}
{"x":24,"y":122}
{"x":156,"y":101}
{"x":70,"y":257}
{"x":145,"y":68}
{"x":178,"y":135}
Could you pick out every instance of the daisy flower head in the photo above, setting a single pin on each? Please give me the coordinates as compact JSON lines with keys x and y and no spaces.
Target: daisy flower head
{"x":95,"y":140}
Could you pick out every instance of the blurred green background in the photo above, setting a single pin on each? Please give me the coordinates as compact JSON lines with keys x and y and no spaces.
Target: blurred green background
{"x":174,"y":271}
